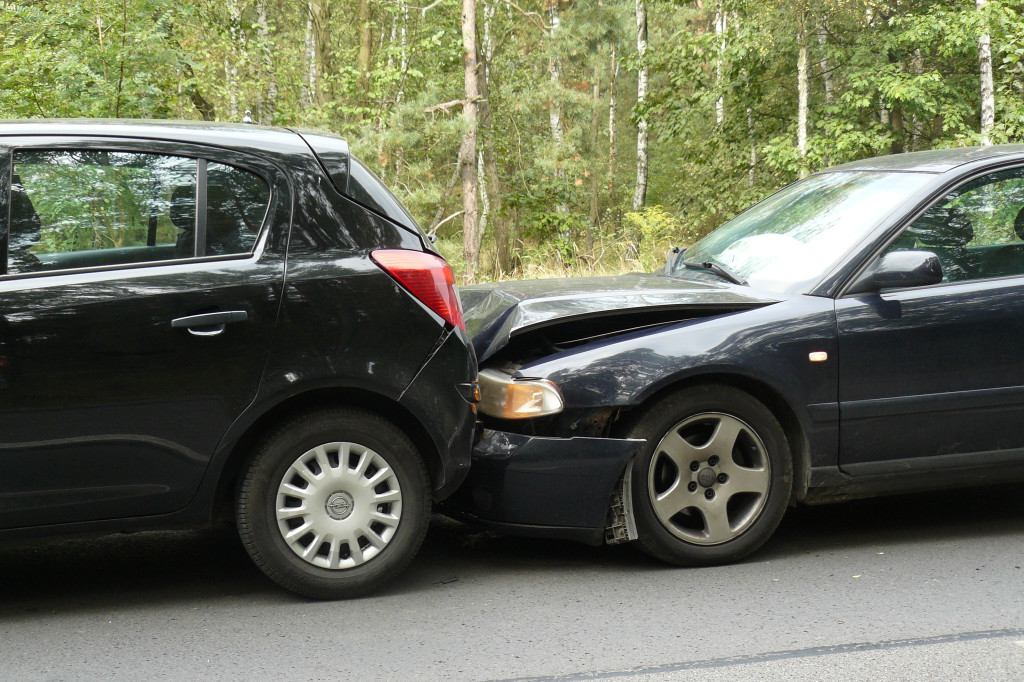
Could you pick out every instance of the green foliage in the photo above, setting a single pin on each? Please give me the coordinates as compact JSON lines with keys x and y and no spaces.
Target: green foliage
{"x":655,"y":231}
{"x":722,"y":107}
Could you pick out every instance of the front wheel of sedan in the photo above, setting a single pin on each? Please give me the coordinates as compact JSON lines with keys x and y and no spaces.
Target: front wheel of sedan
{"x":334,"y":504}
{"x":713,"y":481}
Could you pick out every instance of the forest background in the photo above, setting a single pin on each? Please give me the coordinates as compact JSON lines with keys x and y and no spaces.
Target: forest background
{"x":545,"y":137}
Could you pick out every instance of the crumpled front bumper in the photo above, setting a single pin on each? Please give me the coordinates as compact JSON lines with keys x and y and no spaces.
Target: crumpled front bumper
{"x":545,"y":487}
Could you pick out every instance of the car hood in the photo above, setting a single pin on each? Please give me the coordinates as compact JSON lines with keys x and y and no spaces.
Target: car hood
{"x":498,"y":312}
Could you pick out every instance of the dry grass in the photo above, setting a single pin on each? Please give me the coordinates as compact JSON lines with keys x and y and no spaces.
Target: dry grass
{"x":536,"y":262}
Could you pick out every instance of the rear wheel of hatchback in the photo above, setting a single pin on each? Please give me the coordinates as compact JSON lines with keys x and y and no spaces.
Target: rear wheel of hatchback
{"x":334,"y":503}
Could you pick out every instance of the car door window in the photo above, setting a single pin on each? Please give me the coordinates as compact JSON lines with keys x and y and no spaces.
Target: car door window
{"x":977,"y":231}
{"x":87,"y":208}
{"x":82,"y":208}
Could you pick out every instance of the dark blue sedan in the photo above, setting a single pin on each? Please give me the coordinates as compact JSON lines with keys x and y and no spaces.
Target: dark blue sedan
{"x":858,"y":333}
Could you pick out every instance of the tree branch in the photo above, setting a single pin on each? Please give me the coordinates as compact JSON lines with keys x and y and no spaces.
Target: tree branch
{"x":445,"y":106}
{"x":423,"y":10}
{"x":453,"y":215}
{"x":534,"y":17}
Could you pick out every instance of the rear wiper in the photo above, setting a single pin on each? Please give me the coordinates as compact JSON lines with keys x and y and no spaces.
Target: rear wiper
{"x":719,"y":270}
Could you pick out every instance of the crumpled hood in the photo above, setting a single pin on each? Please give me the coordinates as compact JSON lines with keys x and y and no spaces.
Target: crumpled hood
{"x":499,"y":311}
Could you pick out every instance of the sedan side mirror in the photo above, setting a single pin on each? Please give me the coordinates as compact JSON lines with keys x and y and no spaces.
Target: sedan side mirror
{"x":900,"y":270}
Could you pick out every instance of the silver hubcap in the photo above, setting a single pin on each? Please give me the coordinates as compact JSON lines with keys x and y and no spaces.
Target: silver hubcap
{"x":338,"y":505}
{"x":709,"y":478}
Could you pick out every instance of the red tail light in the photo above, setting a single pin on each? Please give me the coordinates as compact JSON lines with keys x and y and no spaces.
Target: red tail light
{"x":427,"y":277}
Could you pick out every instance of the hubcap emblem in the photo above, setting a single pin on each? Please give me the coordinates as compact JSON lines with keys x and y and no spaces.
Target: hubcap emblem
{"x":339,"y":505}
{"x":707,"y":478}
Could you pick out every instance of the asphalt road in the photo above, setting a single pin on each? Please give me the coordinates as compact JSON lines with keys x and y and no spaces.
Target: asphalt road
{"x":912,"y":588}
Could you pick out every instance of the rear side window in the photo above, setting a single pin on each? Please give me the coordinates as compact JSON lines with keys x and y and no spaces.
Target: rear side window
{"x":236,"y":203}
{"x":87,"y":208}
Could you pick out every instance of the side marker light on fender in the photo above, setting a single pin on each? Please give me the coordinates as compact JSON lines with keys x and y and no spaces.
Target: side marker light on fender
{"x":503,"y":397}
{"x":818,"y":356}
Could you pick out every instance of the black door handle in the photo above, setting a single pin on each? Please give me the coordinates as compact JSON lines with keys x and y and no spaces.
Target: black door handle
{"x":209,"y":324}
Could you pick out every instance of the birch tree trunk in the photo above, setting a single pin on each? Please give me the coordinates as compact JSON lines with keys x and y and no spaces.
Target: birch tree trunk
{"x":752,"y":164}
{"x":720,"y":26}
{"x":613,"y":70}
{"x":467,"y":151}
{"x":823,"y":64}
{"x":270,"y":107}
{"x":231,"y":62}
{"x":403,"y":60}
{"x":555,"y":67}
{"x":308,"y":90}
{"x":988,"y":102}
{"x":801,"y":116}
{"x":640,"y":192}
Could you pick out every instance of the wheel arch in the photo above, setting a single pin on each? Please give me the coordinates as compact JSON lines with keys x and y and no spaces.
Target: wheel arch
{"x":764,"y":392}
{"x":346,"y":397}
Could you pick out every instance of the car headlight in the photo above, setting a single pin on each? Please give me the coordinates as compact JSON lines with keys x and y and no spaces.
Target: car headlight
{"x":503,"y":397}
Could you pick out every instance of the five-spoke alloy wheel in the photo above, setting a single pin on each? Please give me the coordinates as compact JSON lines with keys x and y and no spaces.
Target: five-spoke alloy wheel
{"x":713,"y":481}
{"x":334,"y":504}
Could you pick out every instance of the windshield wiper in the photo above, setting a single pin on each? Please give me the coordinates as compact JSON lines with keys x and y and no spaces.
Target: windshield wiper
{"x":719,"y":270}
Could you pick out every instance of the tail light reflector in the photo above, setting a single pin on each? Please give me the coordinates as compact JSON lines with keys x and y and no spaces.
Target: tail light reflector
{"x":427,"y":277}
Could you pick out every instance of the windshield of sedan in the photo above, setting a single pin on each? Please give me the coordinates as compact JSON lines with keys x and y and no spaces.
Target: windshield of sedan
{"x":794,"y":237}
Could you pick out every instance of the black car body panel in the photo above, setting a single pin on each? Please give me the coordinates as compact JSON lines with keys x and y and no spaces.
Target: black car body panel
{"x":112,"y":417}
{"x":898,"y":390}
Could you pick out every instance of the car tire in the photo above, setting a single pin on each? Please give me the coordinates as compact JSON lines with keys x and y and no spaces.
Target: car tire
{"x":713,"y":481}
{"x":334,"y":504}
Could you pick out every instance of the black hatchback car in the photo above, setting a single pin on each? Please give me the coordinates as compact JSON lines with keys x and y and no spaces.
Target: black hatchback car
{"x":200,"y":320}
{"x":860,"y":332}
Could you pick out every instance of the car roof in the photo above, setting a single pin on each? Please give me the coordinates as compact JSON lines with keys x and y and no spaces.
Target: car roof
{"x":932,"y":161}
{"x":231,"y":135}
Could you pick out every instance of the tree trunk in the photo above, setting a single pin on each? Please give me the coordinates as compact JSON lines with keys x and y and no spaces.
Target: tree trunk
{"x":320,"y":15}
{"x":202,"y":105}
{"x":308,"y":91}
{"x":491,"y":187}
{"x":467,"y":151}
{"x":640,"y":192}
{"x":485,"y":201}
{"x":363,"y":60}
{"x":403,"y":61}
{"x":231,"y":61}
{"x":720,"y":26}
{"x":823,"y":64}
{"x":613,"y":72}
{"x":752,"y":164}
{"x":382,"y":104}
{"x":555,"y":67}
{"x":917,"y":65}
{"x":270,"y":107}
{"x":988,"y":102}
{"x":595,"y":184}
{"x":801,"y":116}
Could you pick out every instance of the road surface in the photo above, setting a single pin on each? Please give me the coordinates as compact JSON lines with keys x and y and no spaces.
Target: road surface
{"x":910,"y":588}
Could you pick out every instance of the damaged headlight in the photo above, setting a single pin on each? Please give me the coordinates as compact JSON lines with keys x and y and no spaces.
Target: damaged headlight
{"x":503,"y":397}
